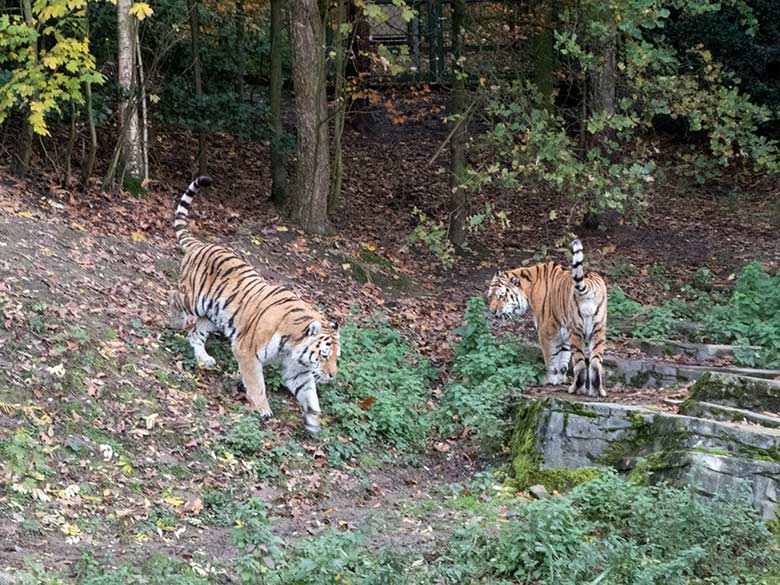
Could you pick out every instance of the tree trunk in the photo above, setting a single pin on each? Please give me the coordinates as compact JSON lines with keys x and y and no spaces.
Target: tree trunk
{"x":278,"y":149}
{"x":24,"y":143}
{"x":601,"y":99}
{"x":131,"y":150}
{"x":240,"y":52}
{"x":543,"y":52}
{"x":340,"y":94}
{"x":88,"y":161}
{"x":142,"y":97}
{"x":457,"y":108}
{"x":309,"y":197}
{"x":197,"y":79}
{"x":88,"y":164}
{"x":602,"y":77}
{"x":71,"y":140}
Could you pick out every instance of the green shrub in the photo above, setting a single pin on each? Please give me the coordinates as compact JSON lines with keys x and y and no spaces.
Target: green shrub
{"x":156,"y":570}
{"x":611,"y":531}
{"x":380,"y":394}
{"x":488,"y":372}
{"x":751,"y":316}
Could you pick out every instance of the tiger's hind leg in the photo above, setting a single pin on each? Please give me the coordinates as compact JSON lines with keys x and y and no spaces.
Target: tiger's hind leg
{"x":563,"y":357}
{"x":178,"y":316}
{"x":596,"y":369}
{"x":549,"y":352}
{"x":197,"y":339}
{"x":580,"y":360}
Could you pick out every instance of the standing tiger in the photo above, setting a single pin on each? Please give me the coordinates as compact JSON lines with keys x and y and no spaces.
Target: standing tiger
{"x":265,"y":323}
{"x":570,"y":315}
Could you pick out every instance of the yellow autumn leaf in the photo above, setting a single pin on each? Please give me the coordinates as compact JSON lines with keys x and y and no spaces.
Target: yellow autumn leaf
{"x":138,"y":237}
{"x":173,"y":500}
{"x":70,"y":529}
{"x":369,"y":247}
{"x":78,"y":226}
{"x":51,"y":62}
{"x":255,"y":241}
{"x":141,"y":10}
{"x":281,"y":228}
{"x":26,"y":214}
{"x":553,"y":214}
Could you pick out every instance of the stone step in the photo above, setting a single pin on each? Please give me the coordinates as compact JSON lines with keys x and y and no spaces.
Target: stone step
{"x":655,"y":373}
{"x":699,"y":352}
{"x":719,"y":412}
{"x":552,"y":435}
{"x":744,"y":392}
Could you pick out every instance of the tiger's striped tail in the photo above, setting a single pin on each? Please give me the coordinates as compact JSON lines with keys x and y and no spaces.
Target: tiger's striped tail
{"x":577,"y":272}
{"x":183,"y":209}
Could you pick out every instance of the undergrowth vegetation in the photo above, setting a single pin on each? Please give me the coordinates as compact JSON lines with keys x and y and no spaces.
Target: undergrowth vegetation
{"x":748,"y":317}
{"x":607,"y":530}
{"x":380,"y":394}
{"x":381,"y":398}
{"x":488,"y":373}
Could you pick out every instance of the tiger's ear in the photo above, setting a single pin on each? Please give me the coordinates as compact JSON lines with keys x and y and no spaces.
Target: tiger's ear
{"x":515,"y":281}
{"x":314,"y":328}
{"x":334,"y":326}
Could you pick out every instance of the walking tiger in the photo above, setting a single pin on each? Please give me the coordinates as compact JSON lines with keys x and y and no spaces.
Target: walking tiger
{"x":265,"y":323}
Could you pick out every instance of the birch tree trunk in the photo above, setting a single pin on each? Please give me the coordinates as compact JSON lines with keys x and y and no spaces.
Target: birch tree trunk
{"x":131,"y":149}
{"x":309,"y":197}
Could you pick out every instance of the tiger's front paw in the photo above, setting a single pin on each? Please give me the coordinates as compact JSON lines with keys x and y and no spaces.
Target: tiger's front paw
{"x":207,"y":363}
{"x":264,"y":414}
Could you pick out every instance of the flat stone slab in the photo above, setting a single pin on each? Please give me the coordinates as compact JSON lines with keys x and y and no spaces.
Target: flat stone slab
{"x":721,"y":412}
{"x":745,"y":392}
{"x":698,"y":352}
{"x":715,"y":456}
{"x":653,"y":373}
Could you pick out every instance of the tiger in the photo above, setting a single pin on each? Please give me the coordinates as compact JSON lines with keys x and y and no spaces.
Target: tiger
{"x":265,"y":323}
{"x":569,"y":312}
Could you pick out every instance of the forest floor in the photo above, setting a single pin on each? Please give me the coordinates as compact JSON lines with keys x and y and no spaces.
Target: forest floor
{"x":126,"y":456}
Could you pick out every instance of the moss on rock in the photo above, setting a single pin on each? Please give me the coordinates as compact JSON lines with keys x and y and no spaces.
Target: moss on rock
{"x":526,"y":459}
{"x":650,"y":437}
{"x":737,"y":391}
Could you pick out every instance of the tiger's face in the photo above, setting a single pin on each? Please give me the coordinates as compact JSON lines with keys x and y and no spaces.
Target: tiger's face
{"x":324,"y":352}
{"x":505,"y":296}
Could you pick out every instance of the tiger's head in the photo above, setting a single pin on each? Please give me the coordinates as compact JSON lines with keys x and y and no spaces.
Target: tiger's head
{"x":320,"y":356}
{"x":324,"y":349}
{"x":507,"y":296}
